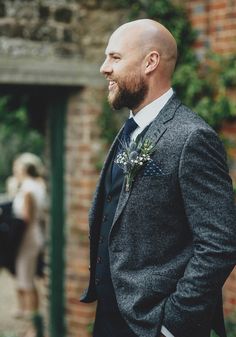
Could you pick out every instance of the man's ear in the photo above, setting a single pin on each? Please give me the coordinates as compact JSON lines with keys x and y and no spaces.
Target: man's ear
{"x":151,"y":62}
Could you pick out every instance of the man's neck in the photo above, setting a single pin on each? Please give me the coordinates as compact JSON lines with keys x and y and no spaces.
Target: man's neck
{"x":149,"y":99}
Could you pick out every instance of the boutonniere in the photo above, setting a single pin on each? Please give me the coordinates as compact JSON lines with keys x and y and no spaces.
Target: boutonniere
{"x":133,"y":157}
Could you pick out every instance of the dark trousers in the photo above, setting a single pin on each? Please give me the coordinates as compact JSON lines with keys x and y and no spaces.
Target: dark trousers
{"x":110,"y":324}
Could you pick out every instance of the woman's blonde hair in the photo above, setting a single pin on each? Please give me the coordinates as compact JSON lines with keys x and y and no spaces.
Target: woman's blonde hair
{"x":32,"y":164}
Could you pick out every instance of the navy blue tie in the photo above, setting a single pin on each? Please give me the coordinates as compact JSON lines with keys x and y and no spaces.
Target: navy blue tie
{"x":129,"y":127}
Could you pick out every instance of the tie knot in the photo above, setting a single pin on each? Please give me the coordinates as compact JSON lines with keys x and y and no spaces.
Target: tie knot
{"x":129,"y":127}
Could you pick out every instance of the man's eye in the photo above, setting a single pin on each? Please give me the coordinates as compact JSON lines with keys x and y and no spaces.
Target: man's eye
{"x":116,"y":58}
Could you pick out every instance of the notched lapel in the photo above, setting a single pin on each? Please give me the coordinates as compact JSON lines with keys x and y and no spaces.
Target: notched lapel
{"x":97,"y":193}
{"x":153,"y":134}
{"x":159,"y":125}
{"x":124,"y":196}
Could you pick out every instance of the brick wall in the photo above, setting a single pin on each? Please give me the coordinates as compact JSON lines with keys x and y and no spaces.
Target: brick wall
{"x":229,"y":132}
{"x":82,"y":154}
{"x":215,"y":23}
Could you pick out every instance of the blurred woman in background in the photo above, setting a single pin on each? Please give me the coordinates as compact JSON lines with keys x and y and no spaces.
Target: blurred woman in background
{"x":29,"y":205}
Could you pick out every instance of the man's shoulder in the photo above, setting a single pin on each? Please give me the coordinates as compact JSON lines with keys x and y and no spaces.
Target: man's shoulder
{"x":187,"y":121}
{"x":180,"y":122}
{"x":180,"y":115}
{"x":183,"y":124}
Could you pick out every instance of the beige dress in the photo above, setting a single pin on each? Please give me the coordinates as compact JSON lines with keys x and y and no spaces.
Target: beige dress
{"x":33,"y":240}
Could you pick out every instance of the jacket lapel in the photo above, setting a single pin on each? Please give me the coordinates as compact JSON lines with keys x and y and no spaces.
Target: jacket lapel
{"x":154,"y":133}
{"x":98,"y":191}
{"x":159,"y":125}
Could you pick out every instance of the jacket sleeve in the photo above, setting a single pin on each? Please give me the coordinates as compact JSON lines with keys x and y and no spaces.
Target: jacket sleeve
{"x":209,"y":206}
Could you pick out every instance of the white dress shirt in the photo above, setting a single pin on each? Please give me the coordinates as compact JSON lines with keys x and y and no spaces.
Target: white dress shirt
{"x":143,"y":118}
{"x":147,"y":114}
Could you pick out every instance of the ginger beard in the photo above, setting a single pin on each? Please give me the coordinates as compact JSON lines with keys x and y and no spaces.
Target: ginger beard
{"x":128,"y":92}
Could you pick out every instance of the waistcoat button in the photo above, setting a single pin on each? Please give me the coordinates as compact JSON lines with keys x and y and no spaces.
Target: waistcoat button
{"x":109,"y":198}
{"x":104,"y":218}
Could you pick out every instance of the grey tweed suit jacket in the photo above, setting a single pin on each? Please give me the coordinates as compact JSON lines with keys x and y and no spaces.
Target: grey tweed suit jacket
{"x":173,"y":239}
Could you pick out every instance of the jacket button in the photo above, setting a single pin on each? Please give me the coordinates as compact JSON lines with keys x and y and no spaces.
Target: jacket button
{"x":109,"y":198}
{"x":99,"y":259}
{"x":101,"y":239}
{"x":104,"y":218}
{"x":97,"y":281}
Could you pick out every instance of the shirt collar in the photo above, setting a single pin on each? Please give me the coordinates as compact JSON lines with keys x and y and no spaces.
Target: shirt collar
{"x":147,"y":114}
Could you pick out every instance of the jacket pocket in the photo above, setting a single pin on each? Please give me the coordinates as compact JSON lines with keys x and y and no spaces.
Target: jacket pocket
{"x":151,"y":169}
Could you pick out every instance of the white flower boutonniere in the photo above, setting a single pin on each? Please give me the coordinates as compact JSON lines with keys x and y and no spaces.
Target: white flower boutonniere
{"x":132,"y":158}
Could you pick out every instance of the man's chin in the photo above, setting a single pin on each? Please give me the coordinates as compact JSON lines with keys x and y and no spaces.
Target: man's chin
{"x":113,"y":102}
{"x":113,"y":105}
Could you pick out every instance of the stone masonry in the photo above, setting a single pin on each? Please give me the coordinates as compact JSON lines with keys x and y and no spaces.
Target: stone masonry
{"x":56,"y":28}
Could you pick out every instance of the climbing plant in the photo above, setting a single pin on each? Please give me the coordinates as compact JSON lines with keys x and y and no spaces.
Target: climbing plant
{"x":16,"y":135}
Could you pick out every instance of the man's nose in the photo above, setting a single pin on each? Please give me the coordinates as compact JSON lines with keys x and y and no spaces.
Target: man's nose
{"x":105,"y":68}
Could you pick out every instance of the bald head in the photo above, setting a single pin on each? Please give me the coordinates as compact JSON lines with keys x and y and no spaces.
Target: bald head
{"x":147,"y":35}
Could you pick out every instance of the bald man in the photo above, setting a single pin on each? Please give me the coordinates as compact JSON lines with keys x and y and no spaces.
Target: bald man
{"x":162,"y":222}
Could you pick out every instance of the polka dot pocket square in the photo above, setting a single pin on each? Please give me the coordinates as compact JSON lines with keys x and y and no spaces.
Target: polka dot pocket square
{"x":152,"y":169}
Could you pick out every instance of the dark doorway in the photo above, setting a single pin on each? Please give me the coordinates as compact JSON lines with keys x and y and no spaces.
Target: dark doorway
{"x":46,"y":108}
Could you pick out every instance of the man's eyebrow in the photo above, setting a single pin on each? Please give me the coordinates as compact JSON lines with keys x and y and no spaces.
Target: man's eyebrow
{"x":112,"y":53}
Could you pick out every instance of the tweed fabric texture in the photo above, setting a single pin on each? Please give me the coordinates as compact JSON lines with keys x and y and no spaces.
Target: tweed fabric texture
{"x":173,"y":239}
